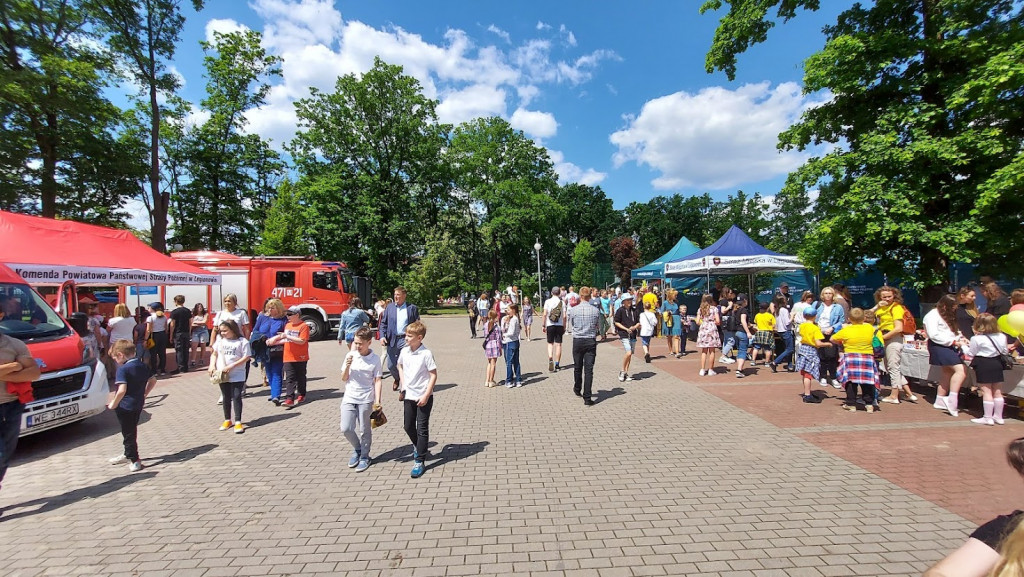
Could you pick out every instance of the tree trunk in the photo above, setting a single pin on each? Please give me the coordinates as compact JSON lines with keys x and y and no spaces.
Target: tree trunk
{"x":48,"y":150}
{"x":161,"y":200}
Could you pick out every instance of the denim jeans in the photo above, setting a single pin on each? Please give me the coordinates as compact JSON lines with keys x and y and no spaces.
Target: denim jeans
{"x":787,"y":354}
{"x":742,"y":342}
{"x":275,"y":369}
{"x":729,"y":343}
{"x":511,"y":353}
{"x":10,"y":427}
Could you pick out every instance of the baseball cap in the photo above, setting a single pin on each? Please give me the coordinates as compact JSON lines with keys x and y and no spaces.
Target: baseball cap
{"x":784,"y":285}
{"x":293,"y":310}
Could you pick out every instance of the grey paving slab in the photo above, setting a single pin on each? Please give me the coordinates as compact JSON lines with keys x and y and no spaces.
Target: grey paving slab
{"x":658,"y":478}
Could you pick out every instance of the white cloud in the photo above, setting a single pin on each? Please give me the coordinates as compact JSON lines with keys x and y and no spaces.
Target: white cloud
{"x":570,"y":38}
{"x":536,"y":124}
{"x":569,"y":172}
{"x":224,"y":26}
{"x":500,"y":33}
{"x":717,"y":138}
{"x":469,"y":79}
{"x":472,"y":102}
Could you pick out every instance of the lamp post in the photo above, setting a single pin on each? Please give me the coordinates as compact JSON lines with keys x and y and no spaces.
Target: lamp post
{"x":540,"y":288}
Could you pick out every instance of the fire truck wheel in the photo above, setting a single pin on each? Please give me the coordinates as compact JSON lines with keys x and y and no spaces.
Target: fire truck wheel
{"x":317,"y":330}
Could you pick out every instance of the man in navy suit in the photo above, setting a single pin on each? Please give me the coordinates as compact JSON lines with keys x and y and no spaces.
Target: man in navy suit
{"x":398,"y":315}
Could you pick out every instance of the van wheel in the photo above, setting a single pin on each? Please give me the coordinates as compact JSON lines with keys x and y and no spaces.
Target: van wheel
{"x":317,"y":330}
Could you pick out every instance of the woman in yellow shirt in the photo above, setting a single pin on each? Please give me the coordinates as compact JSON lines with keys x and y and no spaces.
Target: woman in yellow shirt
{"x":857,"y":366}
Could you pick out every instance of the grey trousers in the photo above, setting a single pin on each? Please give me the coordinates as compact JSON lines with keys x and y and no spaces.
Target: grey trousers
{"x":355,"y":425}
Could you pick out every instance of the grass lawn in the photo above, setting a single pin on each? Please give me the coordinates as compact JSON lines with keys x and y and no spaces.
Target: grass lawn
{"x":445,"y":310}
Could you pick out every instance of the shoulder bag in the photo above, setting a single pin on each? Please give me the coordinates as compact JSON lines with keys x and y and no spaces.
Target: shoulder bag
{"x":1005,"y":358}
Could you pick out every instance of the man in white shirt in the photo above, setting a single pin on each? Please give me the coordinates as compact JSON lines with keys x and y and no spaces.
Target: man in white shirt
{"x":554,"y":328}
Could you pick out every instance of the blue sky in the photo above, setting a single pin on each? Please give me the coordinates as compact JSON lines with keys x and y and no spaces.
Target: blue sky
{"x":617,"y":94}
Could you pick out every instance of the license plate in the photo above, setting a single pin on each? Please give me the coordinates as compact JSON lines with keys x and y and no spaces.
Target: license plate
{"x":52,"y":415}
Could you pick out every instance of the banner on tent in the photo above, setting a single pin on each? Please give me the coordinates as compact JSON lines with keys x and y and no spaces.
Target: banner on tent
{"x":51,"y":274}
{"x":714,"y":262}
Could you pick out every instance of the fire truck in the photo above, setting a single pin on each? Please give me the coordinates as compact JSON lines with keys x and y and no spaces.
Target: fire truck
{"x":321,"y":289}
{"x":73,"y":384}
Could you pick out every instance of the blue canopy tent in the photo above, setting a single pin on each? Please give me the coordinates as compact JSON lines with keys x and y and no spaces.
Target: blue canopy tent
{"x":734,"y":253}
{"x":656,"y":268}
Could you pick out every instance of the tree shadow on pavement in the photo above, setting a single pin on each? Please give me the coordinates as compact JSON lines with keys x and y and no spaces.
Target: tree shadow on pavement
{"x":323,"y":394}
{"x":456,"y":451}
{"x":601,"y":396}
{"x":181,"y":456}
{"x":48,"y":504}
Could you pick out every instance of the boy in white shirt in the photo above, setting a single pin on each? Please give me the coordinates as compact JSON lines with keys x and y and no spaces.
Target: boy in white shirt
{"x":418,"y":374}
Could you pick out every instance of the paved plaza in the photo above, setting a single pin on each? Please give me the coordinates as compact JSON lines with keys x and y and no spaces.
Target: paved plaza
{"x":670,"y":474}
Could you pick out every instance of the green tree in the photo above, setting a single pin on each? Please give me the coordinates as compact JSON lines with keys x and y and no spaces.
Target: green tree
{"x":926,"y":118}
{"x":439,"y":272}
{"x":284,"y":230}
{"x":584,"y":259}
{"x":59,"y":130}
{"x":588,"y":214}
{"x":231,"y":172}
{"x":143,"y":34}
{"x":508,"y":181}
{"x":749,"y":213}
{"x":369,"y":160}
{"x":660,"y":222}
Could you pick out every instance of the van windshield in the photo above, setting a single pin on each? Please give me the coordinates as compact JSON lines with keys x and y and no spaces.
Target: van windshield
{"x":26,"y":314}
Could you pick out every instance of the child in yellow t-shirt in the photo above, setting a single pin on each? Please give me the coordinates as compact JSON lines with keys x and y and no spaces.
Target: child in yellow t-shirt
{"x":807,"y":361}
{"x":857,"y":366}
{"x":764,"y":338}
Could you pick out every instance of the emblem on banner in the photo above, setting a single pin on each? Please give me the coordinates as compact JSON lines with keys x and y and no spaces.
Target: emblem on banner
{"x":717,"y":261}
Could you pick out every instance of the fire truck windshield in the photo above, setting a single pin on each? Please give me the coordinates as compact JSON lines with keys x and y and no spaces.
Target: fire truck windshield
{"x":26,"y":314}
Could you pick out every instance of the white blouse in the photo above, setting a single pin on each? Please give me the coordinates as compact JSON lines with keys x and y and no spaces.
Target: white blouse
{"x":937,"y":329}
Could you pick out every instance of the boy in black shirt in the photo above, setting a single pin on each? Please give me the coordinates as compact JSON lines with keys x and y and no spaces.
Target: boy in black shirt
{"x":134,"y":381}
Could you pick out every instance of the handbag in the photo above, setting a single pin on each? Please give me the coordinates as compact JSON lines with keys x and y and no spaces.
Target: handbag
{"x":150,"y":342}
{"x":483,"y":345}
{"x":377,"y":417}
{"x":219,"y":376}
{"x":1005,"y":359}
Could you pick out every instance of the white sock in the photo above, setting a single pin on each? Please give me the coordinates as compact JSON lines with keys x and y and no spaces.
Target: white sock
{"x":952,"y":400}
{"x":989,"y":406}
{"x":997,"y":408}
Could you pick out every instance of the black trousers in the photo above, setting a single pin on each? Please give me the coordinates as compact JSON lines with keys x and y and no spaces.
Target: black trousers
{"x":472,"y":325}
{"x":417,"y":424}
{"x":158,"y":354}
{"x":129,"y":421}
{"x":584,"y":352}
{"x":181,"y":346}
{"x":867,"y":393}
{"x":295,"y":379}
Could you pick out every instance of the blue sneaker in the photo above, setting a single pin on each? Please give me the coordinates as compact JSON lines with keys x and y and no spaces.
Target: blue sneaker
{"x":354,"y":460}
{"x":364,"y":464}
{"x":417,"y":469}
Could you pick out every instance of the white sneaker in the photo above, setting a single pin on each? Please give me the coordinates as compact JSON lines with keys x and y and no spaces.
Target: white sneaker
{"x":135,"y":467}
{"x":912,"y":398}
{"x":836,"y":385}
{"x":118,"y":460}
{"x":983,"y":421}
{"x":627,"y":377}
{"x":622,"y":376}
{"x":702,"y":373}
{"x":999,"y":421}
{"x":727,"y":360}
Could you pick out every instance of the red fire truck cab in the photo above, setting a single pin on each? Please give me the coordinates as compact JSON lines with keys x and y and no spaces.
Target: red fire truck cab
{"x":321,"y":289}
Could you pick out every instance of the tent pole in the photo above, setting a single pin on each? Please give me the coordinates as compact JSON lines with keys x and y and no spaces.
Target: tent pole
{"x":750,"y":282}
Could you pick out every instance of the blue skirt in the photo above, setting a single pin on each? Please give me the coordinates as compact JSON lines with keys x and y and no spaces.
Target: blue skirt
{"x":942,"y":356}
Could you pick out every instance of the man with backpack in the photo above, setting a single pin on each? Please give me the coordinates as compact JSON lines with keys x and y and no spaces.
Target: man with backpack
{"x":554,"y":328}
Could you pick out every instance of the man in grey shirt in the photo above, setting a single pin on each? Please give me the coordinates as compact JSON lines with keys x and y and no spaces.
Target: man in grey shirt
{"x":584,"y":321}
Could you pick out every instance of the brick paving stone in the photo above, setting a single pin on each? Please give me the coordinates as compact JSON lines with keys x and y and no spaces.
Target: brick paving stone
{"x":525,"y":480}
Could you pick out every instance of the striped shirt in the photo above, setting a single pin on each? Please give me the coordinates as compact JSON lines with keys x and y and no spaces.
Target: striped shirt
{"x":584,"y":322}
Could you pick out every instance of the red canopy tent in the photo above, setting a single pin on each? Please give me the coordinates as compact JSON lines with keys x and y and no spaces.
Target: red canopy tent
{"x":47,"y":251}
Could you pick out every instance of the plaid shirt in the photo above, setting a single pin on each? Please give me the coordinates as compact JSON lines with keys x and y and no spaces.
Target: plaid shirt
{"x":584,"y":321}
